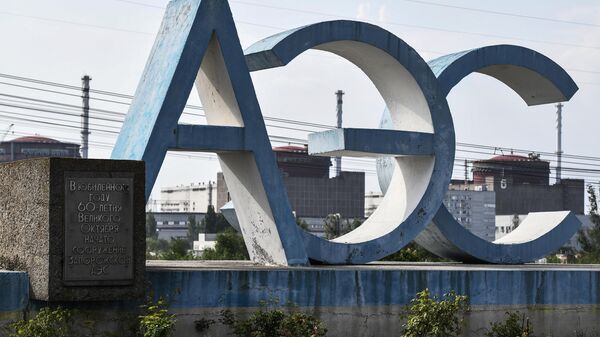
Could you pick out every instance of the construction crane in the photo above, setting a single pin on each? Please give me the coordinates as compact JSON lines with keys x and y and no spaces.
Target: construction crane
{"x":5,"y":133}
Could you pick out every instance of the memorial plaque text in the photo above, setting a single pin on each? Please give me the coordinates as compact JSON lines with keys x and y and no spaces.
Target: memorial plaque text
{"x":98,"y":231}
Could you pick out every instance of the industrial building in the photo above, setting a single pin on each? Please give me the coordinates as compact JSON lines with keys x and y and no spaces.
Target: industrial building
{"x":188,"y":198}
{"x":522,"y":185}
{"x":174,"y":225}
{"x":36,"y":146}
{"x":311,"y":192}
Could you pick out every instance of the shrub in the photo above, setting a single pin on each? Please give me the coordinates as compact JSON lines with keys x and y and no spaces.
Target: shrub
{"x":203,"y":324}
{"x":433,"y":317}
{"x":47,"y":323}
{"x":513,"y":326}
{"x":229,"y":246}
{"x":275,"y":322}
{"x":155,"y":320}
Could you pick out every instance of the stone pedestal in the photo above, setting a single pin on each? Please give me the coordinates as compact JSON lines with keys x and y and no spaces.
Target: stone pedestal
{"x":78,"y":224}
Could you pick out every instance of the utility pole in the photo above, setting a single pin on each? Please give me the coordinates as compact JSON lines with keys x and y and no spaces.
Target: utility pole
{"x":559,"y":151}
{"x":85,"y":117}
{"x":340,"y":102}
{"x":466,"y":175}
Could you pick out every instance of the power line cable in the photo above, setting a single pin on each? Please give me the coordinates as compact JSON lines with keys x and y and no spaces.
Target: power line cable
{"x":516,"y":15}
{"x":422,"y":27}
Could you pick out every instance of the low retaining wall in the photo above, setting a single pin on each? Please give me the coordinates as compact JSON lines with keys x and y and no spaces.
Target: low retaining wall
{"x":14,"y":295}
{"x":351,"y":300}
{"x":368,"y":300}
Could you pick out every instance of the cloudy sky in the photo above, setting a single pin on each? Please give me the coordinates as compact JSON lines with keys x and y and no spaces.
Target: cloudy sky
{"x":59,"y":41}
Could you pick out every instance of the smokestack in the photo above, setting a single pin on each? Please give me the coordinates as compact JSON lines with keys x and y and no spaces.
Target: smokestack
{"x":85,"y":117}
{"x":340,"y":102}
{"x":559,"y":151}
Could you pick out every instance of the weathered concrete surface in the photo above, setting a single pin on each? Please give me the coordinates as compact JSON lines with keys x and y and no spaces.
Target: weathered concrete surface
{"x":14,"y":295}
{"x":32,"y":216}
{"x":362,"y":300}
{"x":367,"y":300}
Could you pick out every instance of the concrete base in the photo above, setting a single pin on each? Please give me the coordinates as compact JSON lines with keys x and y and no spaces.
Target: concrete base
{"x":364,"y":300}
{"x":367,"y":300}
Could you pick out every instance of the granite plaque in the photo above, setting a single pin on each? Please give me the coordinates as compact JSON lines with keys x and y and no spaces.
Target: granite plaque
{"x":98,"y":230}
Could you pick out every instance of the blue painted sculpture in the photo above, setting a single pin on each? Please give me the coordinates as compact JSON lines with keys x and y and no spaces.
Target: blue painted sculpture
{"x":198,"y":43}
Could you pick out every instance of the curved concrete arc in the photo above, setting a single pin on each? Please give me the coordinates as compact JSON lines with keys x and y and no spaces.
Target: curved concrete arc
{"x":533,"y":76}
{"x":422,"y":133}
{"x":538,"y":80}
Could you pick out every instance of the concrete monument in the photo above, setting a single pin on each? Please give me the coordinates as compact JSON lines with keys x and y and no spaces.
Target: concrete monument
{"x":78,"y":225}
{"x":198,"y":43}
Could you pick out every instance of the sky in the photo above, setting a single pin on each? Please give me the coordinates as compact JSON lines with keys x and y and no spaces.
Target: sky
{"x":61,"y":40}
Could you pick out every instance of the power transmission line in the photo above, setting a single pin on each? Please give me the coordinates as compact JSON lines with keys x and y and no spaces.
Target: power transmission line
{"x":422,"y":27}
{"x":516,"y":15}
{"x":281,"y":139}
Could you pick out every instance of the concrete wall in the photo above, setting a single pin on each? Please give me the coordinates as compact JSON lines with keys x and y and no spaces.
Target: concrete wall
{"x":351,"y":300}
{"x":14,"y":296}
{"x":368,"y":300}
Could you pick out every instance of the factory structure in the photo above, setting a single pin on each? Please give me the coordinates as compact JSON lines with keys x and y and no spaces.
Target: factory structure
{"x":35,"y":147}
{"x":522,"y":185}
{"x":505,"y":188}
{"x":193,"y":198}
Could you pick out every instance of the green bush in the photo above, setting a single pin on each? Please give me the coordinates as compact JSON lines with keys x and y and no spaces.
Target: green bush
{"x":229,"y":246}
{"x":413,"y":253}
{"x":513,"y":326}
{"x":155,"y":320}
{"x":47,"y":323}
{"x":274,"y":322}
{"x":433,"y":317}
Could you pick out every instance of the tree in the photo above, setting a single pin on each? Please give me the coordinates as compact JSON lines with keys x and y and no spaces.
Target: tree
{"x":229,"y":246}
{"x":513,"y":326}
{"x":179,"y":250}
{"x":515,"y":221}
{"x":194,"y":228}
{"x":151,"y":226}
{"x":354,"y":225}
{"x":222,"y":224}
{"x":302,"y":224}
{"x":332,"y":226}
{"x":155,"y":248}
{"x":210,"y":220}
{"x":589,"y":239}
